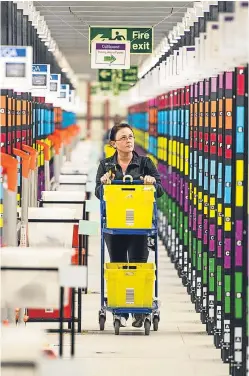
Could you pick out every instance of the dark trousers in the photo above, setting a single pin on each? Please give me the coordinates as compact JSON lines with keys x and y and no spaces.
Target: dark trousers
{"x":127,"y":248}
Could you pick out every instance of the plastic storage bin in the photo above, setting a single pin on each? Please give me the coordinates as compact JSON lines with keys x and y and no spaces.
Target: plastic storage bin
{"x":109,"y":151}
{"x":129,"y":206}
{"x":130,"y":285}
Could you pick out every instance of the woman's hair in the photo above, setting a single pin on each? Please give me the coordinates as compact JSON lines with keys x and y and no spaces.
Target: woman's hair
{"x":116,"y":128}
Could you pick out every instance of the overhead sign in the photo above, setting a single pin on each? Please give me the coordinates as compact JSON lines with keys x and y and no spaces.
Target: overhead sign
{"x":118,"y":87}
{"x":64,"y":92}
{"x":110,"y":55}
{"x":124,"y":86}
{"x":71,"y":96}
{"x":141,"y":38}
{"x":55,"y":83}
{"x":105,"y":86}
{"x":130,"y":75}
{"x":117,"y":76}
{"x":40,"y":76}
{"x":113,"y":75}
{"x":105,"y":75}
{"x":16,"y":68}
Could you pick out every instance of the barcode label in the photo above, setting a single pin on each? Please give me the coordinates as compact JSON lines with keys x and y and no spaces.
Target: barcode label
{"x":49,"y":310}
{"x":130,"y":217}
{"x":130,"y":296}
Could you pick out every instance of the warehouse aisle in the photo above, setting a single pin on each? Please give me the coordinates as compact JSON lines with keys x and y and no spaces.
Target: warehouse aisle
{"x":181,"y":346}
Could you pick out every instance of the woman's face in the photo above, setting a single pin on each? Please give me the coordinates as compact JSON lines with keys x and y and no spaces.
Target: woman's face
{"x":124,"y":140}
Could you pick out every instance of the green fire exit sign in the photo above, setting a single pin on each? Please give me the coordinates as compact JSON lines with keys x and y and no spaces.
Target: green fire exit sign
{"x":141,"y":38}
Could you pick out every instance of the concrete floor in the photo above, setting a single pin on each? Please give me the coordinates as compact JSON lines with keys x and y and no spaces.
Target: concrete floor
{"x":180,"y":347}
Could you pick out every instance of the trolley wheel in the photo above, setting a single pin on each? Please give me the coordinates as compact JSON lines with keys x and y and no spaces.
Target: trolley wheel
{"x":155,"y":324}
{"x":147,"y":327}
{"x":102,"y":323}
{"x":116,"y":327}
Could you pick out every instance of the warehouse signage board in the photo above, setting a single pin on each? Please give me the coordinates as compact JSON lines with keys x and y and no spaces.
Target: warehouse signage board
{"x":105,"y":75}
{"x":124,"y":86}
{"x":105,"y":86}
{"x":141,"y":38}
{"x":112,"y":55}
{"x":16,"y":68}
{"x":124,"y":75}
{"x":71,"y":96}
{"x":130,"y":75}
{"x":119,"y":87}
{"x":54,"y":84}
{"x":40,"y":77}
{"x":64,"y":92}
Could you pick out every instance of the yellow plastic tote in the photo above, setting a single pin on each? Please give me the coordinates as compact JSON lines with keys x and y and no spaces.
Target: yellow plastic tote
{"x":129,"y":206}
{"x":130,"y":285}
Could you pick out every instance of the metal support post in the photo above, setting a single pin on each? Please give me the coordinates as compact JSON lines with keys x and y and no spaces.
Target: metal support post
{"x":68,"y":153}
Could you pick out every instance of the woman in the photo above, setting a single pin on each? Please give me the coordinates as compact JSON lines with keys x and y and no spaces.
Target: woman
{"x":126,"y":161}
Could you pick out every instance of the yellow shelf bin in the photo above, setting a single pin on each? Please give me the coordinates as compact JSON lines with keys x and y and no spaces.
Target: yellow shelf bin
{"x":130,"y":285}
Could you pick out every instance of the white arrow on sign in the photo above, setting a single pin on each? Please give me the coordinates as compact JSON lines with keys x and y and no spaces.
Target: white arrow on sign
{"x":105,"y":74}
{"x":110,"y":54}
{"x":100,"y":37}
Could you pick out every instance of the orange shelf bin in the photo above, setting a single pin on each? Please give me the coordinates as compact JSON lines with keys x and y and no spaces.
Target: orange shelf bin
{"x":33,"y":154}
{"x":56,"y":142}
{"x":9,"y":165}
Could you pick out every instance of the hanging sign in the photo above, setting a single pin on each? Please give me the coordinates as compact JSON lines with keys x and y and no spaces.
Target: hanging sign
{"x":110,"y":55}
{"x":141,"y":38}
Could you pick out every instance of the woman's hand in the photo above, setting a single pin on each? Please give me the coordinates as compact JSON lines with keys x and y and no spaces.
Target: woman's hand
{"x":148,"y":180}
{"x":106,"y":179}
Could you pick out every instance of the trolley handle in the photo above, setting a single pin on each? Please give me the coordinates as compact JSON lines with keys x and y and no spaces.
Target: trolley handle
{"x":120,"y":182}
{"x":135,"y":182}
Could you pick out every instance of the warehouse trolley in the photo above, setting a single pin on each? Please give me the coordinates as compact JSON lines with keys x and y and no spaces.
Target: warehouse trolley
{"x":129,"y":208}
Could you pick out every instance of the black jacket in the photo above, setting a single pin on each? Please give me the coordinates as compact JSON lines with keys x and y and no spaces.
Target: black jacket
{"x":137,"y":164}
